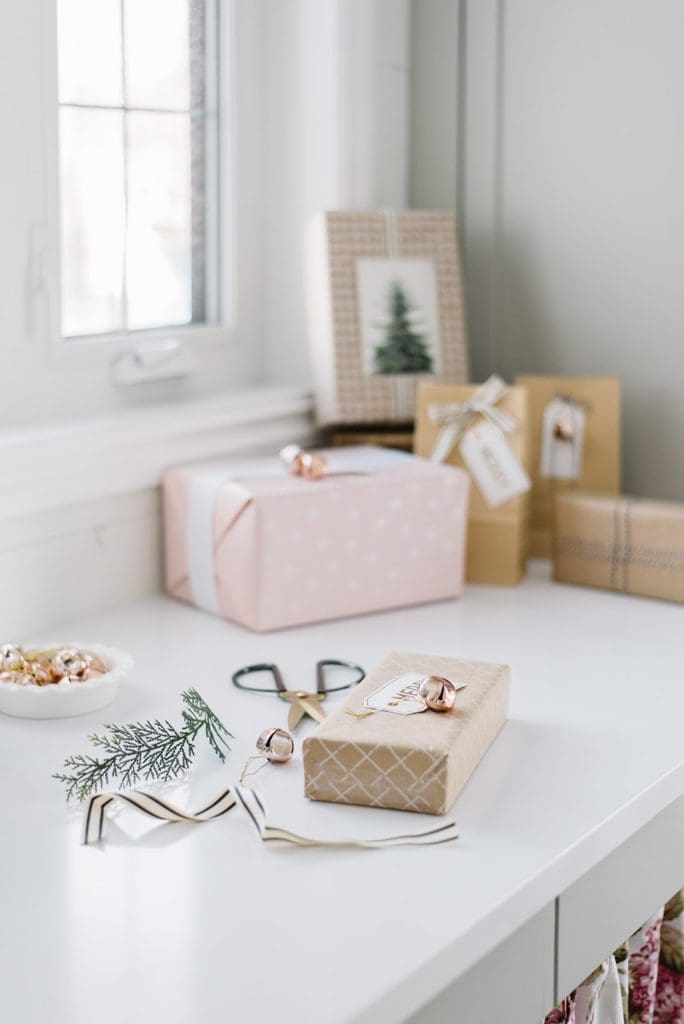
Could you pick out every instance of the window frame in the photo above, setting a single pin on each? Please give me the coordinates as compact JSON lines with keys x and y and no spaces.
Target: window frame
{"x":102,"y":349}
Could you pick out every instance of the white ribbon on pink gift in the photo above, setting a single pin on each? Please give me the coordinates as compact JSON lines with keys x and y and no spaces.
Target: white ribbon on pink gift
{"x":206,"y":485}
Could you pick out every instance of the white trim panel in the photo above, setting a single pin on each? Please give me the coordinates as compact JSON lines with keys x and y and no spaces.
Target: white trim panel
{"x":84,"y":461}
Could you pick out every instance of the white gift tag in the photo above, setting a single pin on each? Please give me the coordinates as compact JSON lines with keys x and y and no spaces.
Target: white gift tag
{"x":562,"y":440}
{"x":400,"y":695}
{"x":493,"y":465}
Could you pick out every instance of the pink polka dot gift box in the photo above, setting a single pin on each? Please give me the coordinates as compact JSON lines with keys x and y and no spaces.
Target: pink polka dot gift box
{"x":283,"y":541}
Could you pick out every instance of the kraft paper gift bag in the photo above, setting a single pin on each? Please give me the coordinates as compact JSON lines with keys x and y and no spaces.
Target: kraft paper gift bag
{"x":497,"y":529}
{"x":575,"y":427}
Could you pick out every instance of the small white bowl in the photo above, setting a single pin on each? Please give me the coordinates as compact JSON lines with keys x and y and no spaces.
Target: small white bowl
{"x":62,"y":700}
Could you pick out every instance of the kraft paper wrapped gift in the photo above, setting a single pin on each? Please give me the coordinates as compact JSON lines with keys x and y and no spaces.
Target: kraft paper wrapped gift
{"x":254,"y":543}
{"x":497,"y":537}
{"x":627,"y":544}
{"x":596,"y":467}
{"x":418,"y":762}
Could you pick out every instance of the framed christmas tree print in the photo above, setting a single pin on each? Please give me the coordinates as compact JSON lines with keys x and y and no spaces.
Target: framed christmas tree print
{"x":385,"y":311}
{"x":398,"y":316}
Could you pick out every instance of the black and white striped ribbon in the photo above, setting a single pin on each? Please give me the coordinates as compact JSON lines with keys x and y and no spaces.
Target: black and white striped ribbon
{"x":95,"y":820}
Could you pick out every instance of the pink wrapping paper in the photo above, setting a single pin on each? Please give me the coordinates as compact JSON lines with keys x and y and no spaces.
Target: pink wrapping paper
{"x":284,"y":551}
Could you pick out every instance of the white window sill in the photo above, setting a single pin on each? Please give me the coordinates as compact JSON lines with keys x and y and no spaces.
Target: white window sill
{"x":48,"y":467}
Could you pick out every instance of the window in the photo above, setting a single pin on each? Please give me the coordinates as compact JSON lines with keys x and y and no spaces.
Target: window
{"x":137,"y":150}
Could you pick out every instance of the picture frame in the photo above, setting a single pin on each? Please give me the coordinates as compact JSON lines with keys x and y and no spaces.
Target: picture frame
{"x":386,"y":311}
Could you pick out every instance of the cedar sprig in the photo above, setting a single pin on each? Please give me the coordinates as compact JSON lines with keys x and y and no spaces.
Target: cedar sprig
{"x":153,"y":751}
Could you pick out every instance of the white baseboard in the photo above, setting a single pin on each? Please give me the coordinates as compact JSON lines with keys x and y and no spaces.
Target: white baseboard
{"x":87,"y":558}
{"x":64,"y":464}
{"x":83,"y":534}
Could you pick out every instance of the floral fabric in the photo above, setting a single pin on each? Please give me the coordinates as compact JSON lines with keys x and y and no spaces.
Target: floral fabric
{"x":642,"y":983}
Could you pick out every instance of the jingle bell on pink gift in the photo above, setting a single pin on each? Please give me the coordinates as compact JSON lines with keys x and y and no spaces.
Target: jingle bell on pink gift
{"x":310,"y":465}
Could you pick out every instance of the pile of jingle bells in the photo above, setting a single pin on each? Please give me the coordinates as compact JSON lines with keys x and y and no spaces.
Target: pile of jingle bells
{"x":47,"y":667}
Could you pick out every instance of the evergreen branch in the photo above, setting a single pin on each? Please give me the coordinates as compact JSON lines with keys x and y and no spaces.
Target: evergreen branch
{"x":150,"y":750}
{"x":88,"y":774}
{"x":198,"y":715}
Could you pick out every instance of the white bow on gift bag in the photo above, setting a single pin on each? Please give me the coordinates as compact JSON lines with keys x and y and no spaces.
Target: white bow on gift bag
{"x":478,"y":426}
{"x":456,"y":417}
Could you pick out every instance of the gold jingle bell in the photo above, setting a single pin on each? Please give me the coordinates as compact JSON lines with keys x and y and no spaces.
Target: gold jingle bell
{"x":438,"y":693}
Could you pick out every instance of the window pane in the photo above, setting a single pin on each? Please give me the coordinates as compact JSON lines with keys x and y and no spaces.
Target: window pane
{"x":158,"y":241}
{"x":92,"y":219}
{"x":157,"y":51}
{"x":89,"y":51}
{"x":137,"y":179}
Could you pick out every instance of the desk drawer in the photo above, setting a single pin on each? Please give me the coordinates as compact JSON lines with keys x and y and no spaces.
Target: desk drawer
{"x":611,"y":901}
{"x":514,"y":983}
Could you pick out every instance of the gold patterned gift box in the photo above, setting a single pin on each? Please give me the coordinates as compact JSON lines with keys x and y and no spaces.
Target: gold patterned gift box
{"x":497,"y":536}
{"x":411,"y":762}
{"x":595,"y":466}
{"x":626,"y":544}
{"x":385,"y":310}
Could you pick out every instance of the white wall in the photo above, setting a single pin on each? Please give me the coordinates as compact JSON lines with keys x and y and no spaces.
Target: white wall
{"x":336,"y":137}
{"x":569,"y":172}
{"x":434,"y":103}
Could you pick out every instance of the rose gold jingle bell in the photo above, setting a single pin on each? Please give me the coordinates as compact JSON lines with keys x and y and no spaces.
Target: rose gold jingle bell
{"x":309,"y":465}
{"x":18,"y":678}
{"x":313,"y":466}
{"x":11,"y":656}
{"x":438,"y":693}
{"x":96,"y":666}
{"x":277,"y":745}
{"x":70,"y":662}
{"x":43,"y":671}
{"x":564,"y":428}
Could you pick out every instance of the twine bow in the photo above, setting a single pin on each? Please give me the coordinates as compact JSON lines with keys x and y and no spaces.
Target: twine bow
{"x":456,"y":417}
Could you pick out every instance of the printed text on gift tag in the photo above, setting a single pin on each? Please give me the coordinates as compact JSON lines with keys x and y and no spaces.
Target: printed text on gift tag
{"x":493,"y":465}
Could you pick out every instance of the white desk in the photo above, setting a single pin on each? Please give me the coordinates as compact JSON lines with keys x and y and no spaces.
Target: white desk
{"x":205,"y":922}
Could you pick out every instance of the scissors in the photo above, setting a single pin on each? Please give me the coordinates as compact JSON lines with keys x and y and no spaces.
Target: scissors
{"x":302,"y":702}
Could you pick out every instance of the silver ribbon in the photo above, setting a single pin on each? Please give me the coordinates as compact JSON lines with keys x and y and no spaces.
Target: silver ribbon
{"x":95,"y":820}
{"x":456,"y":417}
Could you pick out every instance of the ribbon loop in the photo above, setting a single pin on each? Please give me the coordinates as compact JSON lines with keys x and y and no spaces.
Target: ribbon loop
{"x":456,"y":417}
{"x":95,"y":820}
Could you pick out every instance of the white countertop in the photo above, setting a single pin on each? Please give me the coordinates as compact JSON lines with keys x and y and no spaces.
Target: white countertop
{"x":189,"y":921}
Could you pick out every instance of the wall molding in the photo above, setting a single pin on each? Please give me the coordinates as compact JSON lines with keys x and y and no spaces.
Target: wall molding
{"x":66,"y":464}
{"x":457,"y":146}
{"x":479,"y":172}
